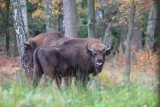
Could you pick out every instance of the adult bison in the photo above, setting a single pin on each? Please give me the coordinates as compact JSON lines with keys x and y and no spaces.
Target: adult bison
{"x":75,"y":57}
{"x":44,"y":39}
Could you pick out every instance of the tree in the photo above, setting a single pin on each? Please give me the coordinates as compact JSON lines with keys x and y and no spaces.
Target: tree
{"x":91,"y":18}
{"x":128,"y":46}
{"x":60,"y":18}
{"x":149,"y":39}
{"x":157,"y":44}
{"x":70,"y":18}
{"x":24,"y":16}
{"x":48,"y":16}
{"x":104,"y":16}
{"x":19,"y":28}
{"x":6,"y":25}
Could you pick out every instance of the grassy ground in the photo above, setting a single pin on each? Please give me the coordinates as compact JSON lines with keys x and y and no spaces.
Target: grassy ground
{"x":20,"y":94}
{"x":105,"y":91}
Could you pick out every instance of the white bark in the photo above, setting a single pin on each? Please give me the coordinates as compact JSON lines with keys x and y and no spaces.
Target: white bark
{"x":24,"y":15}
{"x":70,"y":18}
{"x":18,"y":25}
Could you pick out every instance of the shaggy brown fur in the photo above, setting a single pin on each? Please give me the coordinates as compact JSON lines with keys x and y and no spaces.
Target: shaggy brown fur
{"x":75,"y":57}
{"x":44,"y":39}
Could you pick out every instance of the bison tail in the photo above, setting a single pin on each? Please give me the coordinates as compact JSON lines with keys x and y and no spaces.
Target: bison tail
{"x":37,"y":70}
{"x":37,"y":64}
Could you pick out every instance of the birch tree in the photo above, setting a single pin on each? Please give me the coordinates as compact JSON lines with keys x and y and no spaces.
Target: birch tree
{"x":70,"y":18}
{"x":24,"y":16}
{"x":19,"y":28}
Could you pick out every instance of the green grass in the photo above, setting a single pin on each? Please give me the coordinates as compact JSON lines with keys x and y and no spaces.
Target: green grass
{"x":20,"y":94}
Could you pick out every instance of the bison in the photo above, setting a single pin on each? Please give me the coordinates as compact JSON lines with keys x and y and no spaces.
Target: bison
{"x":75,"y":57}
{"x":44,"y":39}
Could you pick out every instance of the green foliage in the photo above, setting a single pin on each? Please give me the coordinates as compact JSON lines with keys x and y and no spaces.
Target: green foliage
{"x":20,"y":93}
{"x":83,"y":32}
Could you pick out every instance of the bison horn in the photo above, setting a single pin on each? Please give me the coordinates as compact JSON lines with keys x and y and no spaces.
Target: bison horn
{"x":26,"y":45}
{"x":89,"y":49}
{"x":108,"y":48}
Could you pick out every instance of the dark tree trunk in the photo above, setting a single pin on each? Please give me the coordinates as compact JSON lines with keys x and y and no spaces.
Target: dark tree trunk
{"x":91,"y":18}
{"x":149,"y":39}
{"x":128,"y":46}
{"x":157,"y":42}
{"x":7,"y":27}
{"x":60,"y":19}
{"x":137,"y":36}
{"x":157,"y":26}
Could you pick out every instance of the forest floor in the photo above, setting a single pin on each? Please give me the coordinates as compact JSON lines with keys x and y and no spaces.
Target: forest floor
{"x":143,"y":69}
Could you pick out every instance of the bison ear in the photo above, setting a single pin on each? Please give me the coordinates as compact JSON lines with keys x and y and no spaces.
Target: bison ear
{"x":33,"y":45}
{"x":26,"y":46}
{"x":90,"y":50}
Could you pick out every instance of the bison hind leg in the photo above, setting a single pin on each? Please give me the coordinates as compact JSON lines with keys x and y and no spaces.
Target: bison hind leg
{"x":36,"y":79}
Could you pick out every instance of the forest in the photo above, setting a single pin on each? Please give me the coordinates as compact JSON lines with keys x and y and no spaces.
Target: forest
{"x":130,"y":72}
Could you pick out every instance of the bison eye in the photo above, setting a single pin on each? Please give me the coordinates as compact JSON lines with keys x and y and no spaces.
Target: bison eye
{"x":104,"y":55}
{"x":94,"y":54}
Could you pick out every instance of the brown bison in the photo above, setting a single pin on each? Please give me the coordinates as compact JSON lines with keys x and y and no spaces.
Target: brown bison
{"x":75,"y":57}
{"x":44,"y":39}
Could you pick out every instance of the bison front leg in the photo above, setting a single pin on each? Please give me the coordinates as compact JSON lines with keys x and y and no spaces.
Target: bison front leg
{"x":58,"y":81}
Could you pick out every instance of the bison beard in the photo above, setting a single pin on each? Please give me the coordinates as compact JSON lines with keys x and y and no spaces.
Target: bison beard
{"x":75,"y":57}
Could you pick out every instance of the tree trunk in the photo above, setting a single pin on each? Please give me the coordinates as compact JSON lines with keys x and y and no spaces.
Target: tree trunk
{"x":149,"y":39}
{"x":49,"y":16}
{"x":137,"y":36}
{"x":60,"y":18}
{"x":91,"y":18}
{"x":157,"y":26}
{"x":7,"y":27}
{"x":70,"y":18}
{"x":157,"y":42}
{"x":108,"y":34}
{"x":19,"y":28}
{"x":24,"y":16}
{"x":128,"y":46}
{"x":123,"y":35}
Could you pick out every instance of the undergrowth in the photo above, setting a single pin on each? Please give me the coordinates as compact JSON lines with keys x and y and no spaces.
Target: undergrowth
{"x":21,"y":94}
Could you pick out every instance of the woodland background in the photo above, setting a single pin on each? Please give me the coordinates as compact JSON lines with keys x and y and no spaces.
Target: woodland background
{"x":132,"y":26}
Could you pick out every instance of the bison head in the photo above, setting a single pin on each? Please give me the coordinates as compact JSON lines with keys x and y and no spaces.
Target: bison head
{"x":98,"y":53}
{"x":27,"y":57}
